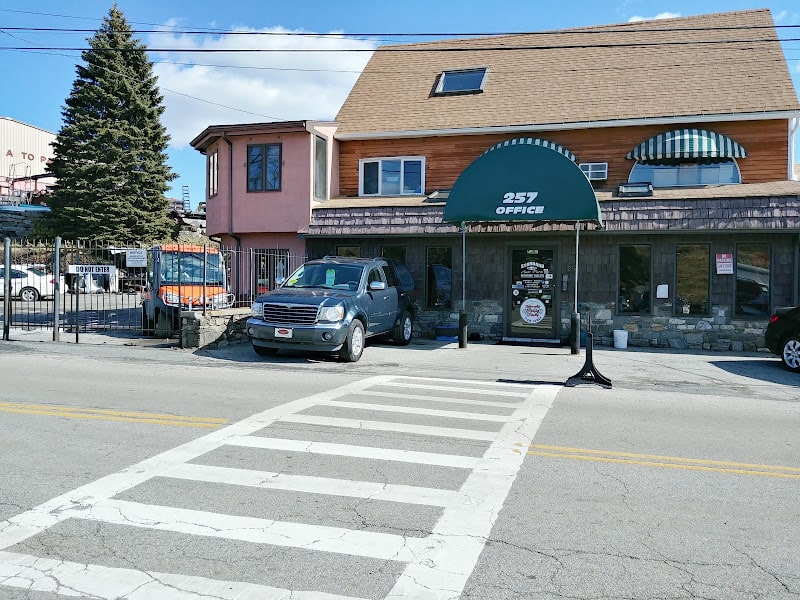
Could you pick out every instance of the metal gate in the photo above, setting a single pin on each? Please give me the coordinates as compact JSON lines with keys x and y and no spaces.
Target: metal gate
{"x":69,"y":287}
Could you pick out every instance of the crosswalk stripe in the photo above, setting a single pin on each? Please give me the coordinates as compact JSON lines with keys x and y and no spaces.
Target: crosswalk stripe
{"x":448,"y":432}
{"x":431,"y":412}
{"x":408,"y":456}
{"x":382,"y":546}
{"x":522,"y":394}
{"x":445,"y":399}
{"x":38,"y":574}
{"x":408,"y":494}
{"x":472,"y":384}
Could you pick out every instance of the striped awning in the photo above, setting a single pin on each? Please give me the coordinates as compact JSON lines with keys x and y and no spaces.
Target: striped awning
{"x":687,"y":143}
{"x":534,"y":142}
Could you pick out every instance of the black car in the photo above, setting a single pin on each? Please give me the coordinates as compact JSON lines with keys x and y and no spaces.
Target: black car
{"x":782,"y":336}
{"x":332,"y":305}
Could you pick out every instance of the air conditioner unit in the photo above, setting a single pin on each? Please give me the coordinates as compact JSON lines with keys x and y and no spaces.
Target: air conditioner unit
{"x":595,"y":171}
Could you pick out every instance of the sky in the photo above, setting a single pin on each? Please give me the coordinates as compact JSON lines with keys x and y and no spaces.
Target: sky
{"x":216,"y":88}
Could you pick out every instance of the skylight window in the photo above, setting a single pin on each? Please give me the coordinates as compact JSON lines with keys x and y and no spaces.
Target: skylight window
{"x":461,"y":81}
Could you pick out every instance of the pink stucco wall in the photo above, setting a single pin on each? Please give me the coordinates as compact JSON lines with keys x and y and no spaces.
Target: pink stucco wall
{"x":286,"y":210}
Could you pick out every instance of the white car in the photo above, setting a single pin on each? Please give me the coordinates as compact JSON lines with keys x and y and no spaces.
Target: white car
{"x":29,"y":283}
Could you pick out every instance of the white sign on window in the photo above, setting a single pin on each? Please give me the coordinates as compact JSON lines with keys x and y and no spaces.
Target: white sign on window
{"x":724,"y":264}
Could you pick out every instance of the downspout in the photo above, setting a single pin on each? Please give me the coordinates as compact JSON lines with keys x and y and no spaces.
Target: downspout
{"x":230,"y":212}
{"x":793,"y":126}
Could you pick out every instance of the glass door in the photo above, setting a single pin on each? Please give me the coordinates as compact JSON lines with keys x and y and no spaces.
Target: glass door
{"x":532,"y":311}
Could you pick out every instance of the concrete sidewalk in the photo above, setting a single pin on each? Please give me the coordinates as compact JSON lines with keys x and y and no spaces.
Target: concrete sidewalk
{"x":645,"y":369}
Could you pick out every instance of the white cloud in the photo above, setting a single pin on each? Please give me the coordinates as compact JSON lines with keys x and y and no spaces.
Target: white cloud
{"x":785,"y":17}
{"x":279,"y":85}
{"x":663,"y":15}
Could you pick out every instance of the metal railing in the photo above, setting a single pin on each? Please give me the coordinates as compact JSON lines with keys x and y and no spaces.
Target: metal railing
{"x":76,"y":287}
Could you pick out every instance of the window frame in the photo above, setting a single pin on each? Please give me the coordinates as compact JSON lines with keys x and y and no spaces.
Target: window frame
{"x":264,"y":164}
{"x":320,"y":170}
{"x":739,"y":314}
{"x":212,"y":173}
{"x":648,"y":289}
{"x":441,"y":82}
{"x":432,"y":295}
{"x":685,"y":162}
{"x":678,"y":308}
{"x":379,"y":160}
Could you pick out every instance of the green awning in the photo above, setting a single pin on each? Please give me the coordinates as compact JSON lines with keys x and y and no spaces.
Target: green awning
{"x":687,"y":143}
{"x":524,"y":179}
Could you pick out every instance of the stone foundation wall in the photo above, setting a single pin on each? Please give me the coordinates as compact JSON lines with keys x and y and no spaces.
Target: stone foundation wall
{"x":215,"y":329}
{"x":718,"y":332}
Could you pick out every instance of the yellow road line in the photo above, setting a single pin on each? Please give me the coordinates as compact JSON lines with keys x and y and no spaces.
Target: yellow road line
{"x":111,"y":415}
{"x":669,"y":462}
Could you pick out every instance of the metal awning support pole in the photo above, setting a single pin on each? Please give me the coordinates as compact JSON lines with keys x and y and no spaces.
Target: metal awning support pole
{"x":462,"y":314}
{"x":588,"y":373}
{"x":575,"y":319}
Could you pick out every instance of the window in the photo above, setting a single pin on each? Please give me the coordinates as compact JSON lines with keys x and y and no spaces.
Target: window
{"x":354,"y":251}
{"x":397,"y":253}
{"x":212,"y":176}
{"x":634,"y":279}
{"x":263,"y":167}
{"x":320,"y":167}
{"x":595,"y":171}
{"x":752,"y":279}
{"x":439,"y":266}
{"x":685,"y":173}
{"x":692,"y":279}
{"x":392,"y":176}
{"x":461,"y":81}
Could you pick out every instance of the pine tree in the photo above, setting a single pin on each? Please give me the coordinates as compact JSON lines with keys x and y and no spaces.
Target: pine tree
{"x":110,"y":156}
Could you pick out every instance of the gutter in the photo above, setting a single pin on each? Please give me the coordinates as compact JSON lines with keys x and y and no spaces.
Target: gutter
{"x":679,"y":120}
{"x":793,"y":126}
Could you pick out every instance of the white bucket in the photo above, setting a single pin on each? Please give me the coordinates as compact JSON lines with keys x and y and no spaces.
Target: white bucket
{"x":620,"y":338}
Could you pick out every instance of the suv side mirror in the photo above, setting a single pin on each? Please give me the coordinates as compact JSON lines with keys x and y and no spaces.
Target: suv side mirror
{"x":375,"y":286}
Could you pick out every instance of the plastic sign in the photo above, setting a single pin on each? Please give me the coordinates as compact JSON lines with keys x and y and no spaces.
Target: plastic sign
{"x":92,"y":269}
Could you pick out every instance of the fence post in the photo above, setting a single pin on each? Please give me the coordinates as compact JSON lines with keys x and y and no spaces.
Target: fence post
{"x":7,"y":288}
{"x":77,"y":289}
{"x":57,"y":287}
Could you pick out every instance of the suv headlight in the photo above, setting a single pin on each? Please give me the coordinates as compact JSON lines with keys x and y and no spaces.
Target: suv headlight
{"x":331,"y":313}
{"x":257,"y":309}
{"x":172,"y":298}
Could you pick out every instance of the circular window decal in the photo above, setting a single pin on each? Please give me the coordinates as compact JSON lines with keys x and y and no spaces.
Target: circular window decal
{"x":532,"y":310}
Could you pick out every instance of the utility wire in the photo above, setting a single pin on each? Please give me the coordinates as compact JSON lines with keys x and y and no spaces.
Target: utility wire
{"x":416,"y":48}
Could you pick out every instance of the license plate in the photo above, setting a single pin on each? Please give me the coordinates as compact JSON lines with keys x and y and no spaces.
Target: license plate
{"x":283,"y":332}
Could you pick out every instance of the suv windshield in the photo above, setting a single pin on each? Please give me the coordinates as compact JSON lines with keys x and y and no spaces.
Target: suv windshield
{"x":326,"y":275}
{"x":187,"y":268}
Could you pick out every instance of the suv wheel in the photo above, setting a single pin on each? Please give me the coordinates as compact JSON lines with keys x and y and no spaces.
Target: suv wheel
{"x":404,"y":330}
{"x":790,"y":354}
{"x":354,"y":344}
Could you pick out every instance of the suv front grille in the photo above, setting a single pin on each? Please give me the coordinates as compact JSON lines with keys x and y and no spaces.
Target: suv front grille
{"x":290,"y":314}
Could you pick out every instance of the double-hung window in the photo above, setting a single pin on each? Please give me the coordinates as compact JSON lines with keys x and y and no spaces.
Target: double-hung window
{"x":402,"y":176}
{"x":212,"y":165}
{"x":263,"y":167}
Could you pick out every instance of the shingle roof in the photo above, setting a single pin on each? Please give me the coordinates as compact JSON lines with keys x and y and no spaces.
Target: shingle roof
{"x":756,"y":206}
{"x":717,"y":64}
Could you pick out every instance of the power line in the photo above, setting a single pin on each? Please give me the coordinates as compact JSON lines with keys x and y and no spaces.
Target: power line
{"x":595,"y":30}
{"x":417,"y":49}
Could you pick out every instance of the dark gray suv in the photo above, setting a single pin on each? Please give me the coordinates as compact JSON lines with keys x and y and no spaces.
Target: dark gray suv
{"x":332,"y":305}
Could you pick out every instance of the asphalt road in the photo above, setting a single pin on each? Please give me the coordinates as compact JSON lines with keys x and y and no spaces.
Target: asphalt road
{"x":134,"y":469}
